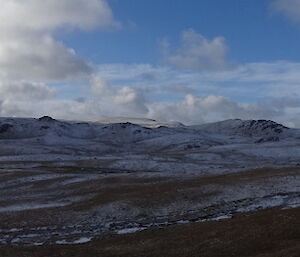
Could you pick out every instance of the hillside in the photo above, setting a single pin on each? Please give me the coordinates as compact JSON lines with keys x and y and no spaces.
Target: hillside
{"x":69,"y":182}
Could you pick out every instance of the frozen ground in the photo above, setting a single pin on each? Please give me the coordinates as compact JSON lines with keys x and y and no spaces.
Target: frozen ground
{"x":173,"y":150}
{"x":70,"y":183}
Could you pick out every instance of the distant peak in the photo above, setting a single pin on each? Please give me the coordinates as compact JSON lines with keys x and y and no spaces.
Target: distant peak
{"x":47,"y":118}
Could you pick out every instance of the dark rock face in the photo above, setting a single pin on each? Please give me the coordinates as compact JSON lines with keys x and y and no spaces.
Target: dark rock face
{"x":136,"y":129}
{"x":46,"y":118}
{"x":268,"y":139}
{"x":265,"y":127}
{"x":5,"y":127}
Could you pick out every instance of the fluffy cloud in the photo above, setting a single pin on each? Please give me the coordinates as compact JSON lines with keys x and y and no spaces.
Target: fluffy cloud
{"x":118,"y":101}
{"x":290,"y":8}
{"x":195,"y":109}
{"x":37,"y":15}
{"x":39,"y":57}
{"x":26,"y":91}
{"x":196,"y":52}
{"x":28,"y":49}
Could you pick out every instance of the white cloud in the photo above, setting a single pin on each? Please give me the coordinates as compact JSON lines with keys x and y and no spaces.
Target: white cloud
{"x":194,"y":109}
{"x":39,"y":57}
{"x":253,"y":90}
{"x":118,"y":101}
{"x":196,"y":52}
{"x":28,"y":49}
{"x":289,"y":8}
{"x":37,"y":15}
{"x":26,"y":91}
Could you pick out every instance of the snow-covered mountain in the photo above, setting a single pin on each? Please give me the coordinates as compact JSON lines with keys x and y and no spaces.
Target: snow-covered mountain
{"x":245,"y":127}
{"x":21,"y":128}
{"x":171,"y":147}
{"x":17,"y":128}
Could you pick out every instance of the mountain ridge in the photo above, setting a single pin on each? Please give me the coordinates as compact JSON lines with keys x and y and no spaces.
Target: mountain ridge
{"x":13,"y":128}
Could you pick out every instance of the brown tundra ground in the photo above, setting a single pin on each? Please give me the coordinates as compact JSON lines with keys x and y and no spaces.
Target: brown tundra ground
{"x":83,"y":211}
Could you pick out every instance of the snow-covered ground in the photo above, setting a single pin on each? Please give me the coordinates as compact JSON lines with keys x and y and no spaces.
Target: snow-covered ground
{"x":176,"y":149}
{"x":68,"y":182}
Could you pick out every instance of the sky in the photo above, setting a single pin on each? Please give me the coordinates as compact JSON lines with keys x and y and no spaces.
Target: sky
{"x":192,"y":61}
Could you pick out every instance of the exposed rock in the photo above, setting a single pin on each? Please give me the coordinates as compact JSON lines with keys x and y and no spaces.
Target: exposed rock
{"x":47,"y":119}
{"x":268,"y":139}
{"x":5,"y":127}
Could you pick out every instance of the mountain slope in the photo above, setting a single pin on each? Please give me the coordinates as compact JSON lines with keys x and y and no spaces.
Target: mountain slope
{"x":213,"y":147}
{"x":262,"y":130}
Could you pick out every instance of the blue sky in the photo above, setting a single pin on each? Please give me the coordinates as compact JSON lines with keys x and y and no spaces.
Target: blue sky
{"x":253,"y":32}
{"x":189,"y":60}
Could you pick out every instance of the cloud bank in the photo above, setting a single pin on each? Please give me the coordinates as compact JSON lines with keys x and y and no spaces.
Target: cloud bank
{"x":197,"y":99}
{"x":28,"y":49}
{"x":196,"y":84}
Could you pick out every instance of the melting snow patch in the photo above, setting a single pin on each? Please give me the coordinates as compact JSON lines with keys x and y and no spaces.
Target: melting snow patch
{"x":35,"y":205}
{"x":30,"y":206}
{"x":223,"y":217}
{"x":294,"y":203}
{"x":16,"y":240}
{"x":129,"y":230}
{"x":182,"y":222}
{"x":81,"y":240}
